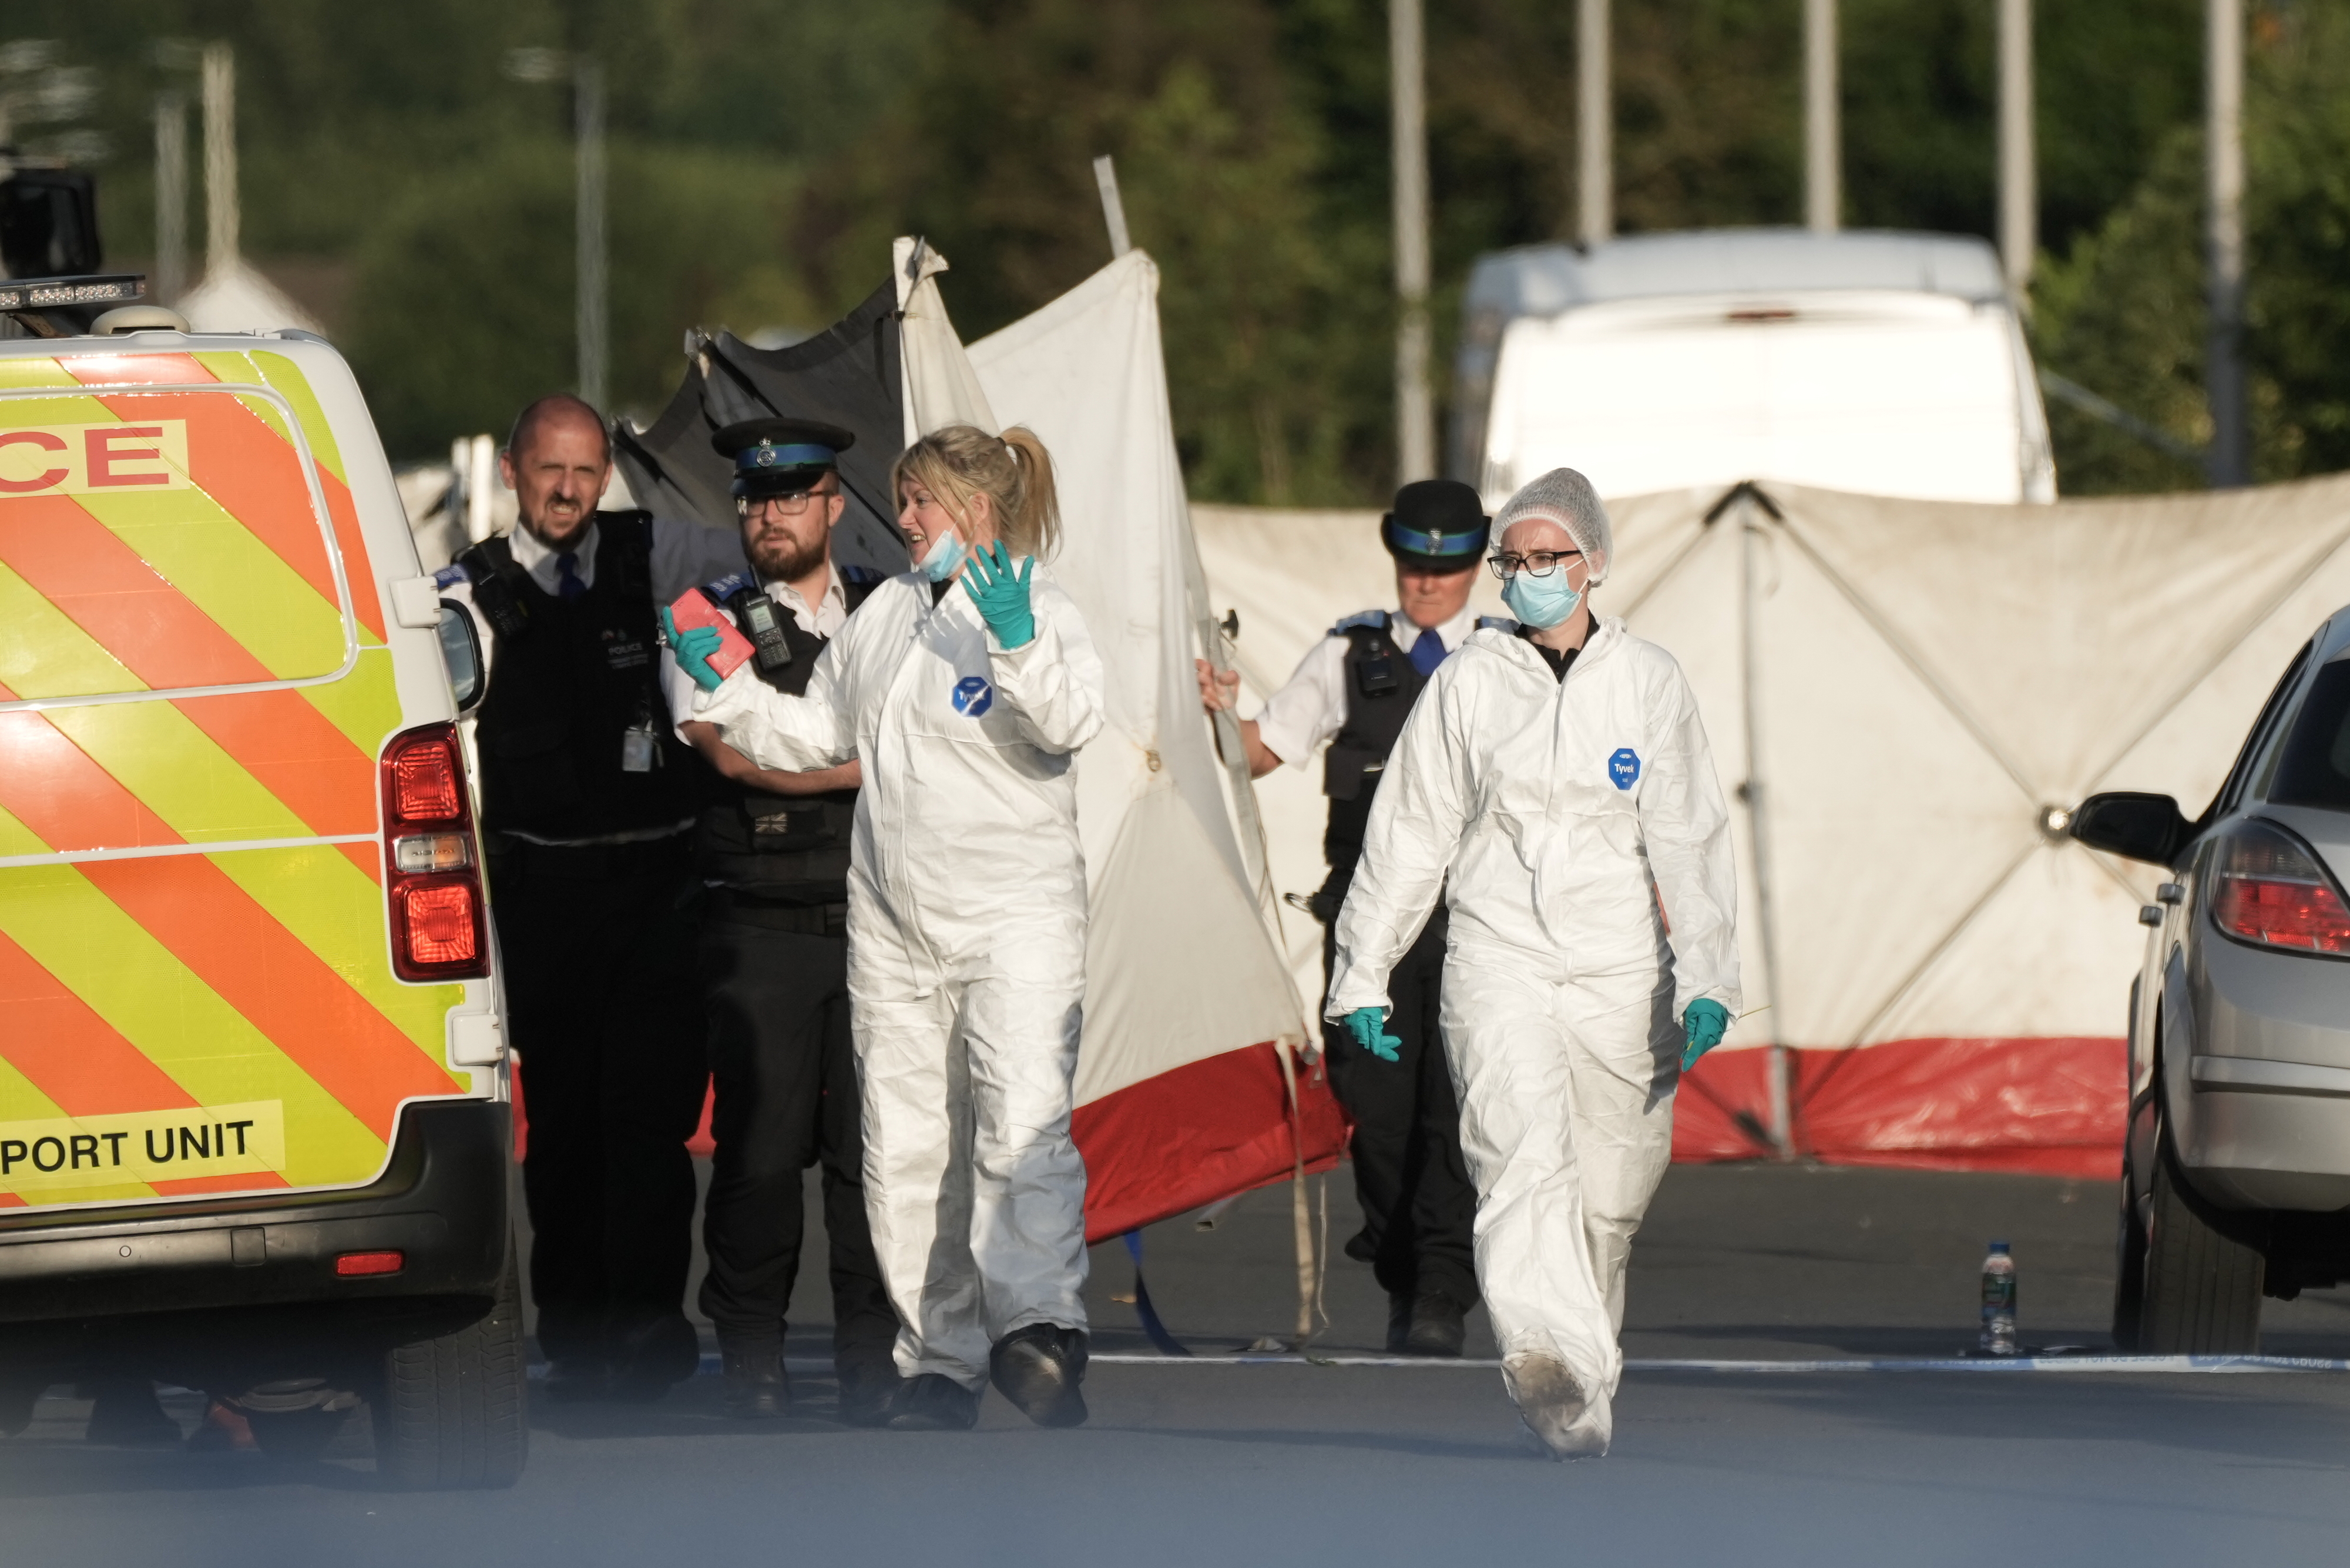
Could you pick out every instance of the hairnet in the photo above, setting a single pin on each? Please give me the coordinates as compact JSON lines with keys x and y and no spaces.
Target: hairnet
{"x":1567,"y":498}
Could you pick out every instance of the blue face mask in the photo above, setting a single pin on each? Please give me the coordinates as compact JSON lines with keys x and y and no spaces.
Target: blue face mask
{"x":1541,"y":602}
{"x":946,"y":554}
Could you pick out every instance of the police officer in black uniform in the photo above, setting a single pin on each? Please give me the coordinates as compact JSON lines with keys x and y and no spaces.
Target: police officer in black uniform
{"x":587,"y":801}
{"x":774,"y":847}
{"x":1354,"y":690}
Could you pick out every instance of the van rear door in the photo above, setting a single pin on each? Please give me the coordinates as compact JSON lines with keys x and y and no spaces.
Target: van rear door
{"x":196,"y":992}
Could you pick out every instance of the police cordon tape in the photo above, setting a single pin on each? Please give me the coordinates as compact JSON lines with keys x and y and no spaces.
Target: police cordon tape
{"x":2140,"y":1365}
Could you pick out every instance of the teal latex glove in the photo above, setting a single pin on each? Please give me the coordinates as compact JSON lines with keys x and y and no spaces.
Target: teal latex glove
{"x":693,"y":649}
{"x":1705,"y":1022}
{"x":1001,"y":597}
{"x":1369,"y":1026}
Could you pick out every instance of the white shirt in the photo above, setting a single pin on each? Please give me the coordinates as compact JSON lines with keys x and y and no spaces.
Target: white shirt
{"x":830,"y":614}
{"x":1299,"y":720}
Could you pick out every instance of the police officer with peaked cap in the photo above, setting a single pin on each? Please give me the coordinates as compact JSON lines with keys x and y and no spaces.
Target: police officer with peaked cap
{"x":1354,"y":690}
{"x":774,"y":847}
{"x":587,"y":802}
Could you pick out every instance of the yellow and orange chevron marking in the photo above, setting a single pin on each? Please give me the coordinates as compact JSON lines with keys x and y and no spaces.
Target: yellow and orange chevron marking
{"x":139,"y":973}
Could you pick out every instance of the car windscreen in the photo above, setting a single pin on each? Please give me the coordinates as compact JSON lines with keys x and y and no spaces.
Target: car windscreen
{"x":2314,"y":769}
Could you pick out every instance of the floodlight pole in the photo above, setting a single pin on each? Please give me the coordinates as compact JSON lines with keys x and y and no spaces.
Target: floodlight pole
{"x":222,"y":218}
{"x":1823,"y":135}
{"x":1407,"y":96}
{"x":170,"y":195}
{"x":1595,"y":136}
{"x":2018,"y":193}
{"x":2228,"y":463}
{"x":593,"y":318}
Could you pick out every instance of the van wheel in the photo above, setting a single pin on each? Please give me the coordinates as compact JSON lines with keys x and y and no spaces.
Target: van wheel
{"x":2202,"y":1289}
{"x":454,"y":1409}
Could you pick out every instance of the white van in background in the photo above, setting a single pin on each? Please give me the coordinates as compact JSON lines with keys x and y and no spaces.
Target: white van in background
{"x":1890,"y":364}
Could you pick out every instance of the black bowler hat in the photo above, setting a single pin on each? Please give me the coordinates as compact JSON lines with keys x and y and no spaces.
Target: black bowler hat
{"x":781,"y":457}
{"x":1438,"y":525}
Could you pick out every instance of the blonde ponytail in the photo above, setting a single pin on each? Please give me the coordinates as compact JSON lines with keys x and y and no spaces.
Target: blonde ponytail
{"x":1013,"y":471}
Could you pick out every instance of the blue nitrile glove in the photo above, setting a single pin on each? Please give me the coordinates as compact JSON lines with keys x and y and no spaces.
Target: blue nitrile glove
{"x":1002,"y":598}
{"x":1369,"y":1026}
{"x":1705,"y":1022}
{"x":693,"y":649}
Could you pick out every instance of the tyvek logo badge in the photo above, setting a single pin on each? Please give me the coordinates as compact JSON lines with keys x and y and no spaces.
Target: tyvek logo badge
{"x":1624,"y":767}
{"x":973,"y":696}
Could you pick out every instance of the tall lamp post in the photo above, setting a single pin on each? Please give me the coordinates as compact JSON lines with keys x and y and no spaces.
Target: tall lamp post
{"x":1415,"y":409}
{"x":593,"y":315}
{"x":2229,"y":462}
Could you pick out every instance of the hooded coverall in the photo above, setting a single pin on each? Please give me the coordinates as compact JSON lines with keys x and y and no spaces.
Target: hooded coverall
{"x":1566,"y":823}
{"x":966,"y":945}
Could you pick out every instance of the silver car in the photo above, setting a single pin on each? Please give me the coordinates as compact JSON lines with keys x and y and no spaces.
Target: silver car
{"x":2236,"y":1174}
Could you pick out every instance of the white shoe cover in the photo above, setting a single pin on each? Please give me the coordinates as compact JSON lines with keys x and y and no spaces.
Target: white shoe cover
{"x":1553,"y":1408}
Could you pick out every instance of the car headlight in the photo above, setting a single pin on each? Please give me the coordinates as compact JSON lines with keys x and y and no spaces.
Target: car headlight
{"x":2269,"y":890}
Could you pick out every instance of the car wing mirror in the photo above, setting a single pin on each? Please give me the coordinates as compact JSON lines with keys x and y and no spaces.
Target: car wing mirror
{"x":2137,"y":827}
{"x":461,"y":651}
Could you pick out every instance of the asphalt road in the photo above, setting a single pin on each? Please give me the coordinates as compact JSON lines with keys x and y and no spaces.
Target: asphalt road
{"x":1207,"y":1463}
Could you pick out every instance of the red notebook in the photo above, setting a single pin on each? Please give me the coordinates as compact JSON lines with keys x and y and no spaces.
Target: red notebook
{"x":693,"y":608}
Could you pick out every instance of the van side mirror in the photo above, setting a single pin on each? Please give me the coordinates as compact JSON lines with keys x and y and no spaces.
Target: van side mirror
{"x":2137,"y":827}
{"x":461,"y":651}
{"x":48,"y":224}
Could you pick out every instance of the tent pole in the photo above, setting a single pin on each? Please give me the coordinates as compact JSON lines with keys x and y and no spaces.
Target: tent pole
{"x":1782,"y":1125}
{"x":1113,"y":205}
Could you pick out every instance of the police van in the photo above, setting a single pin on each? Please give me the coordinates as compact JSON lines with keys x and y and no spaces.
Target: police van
{"x":254,"y":1123}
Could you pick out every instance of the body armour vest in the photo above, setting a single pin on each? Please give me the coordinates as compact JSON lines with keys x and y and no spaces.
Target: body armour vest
{"x":791,"y":848}
{"x":1381,"y":687}
{"x":575,"y":736}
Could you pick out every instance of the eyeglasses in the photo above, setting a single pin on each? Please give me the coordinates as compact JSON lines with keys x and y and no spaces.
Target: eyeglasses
{"x":1534,"y":563}
{"x":792,"y":505}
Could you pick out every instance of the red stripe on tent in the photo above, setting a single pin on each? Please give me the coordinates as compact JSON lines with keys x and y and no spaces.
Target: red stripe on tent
{"x":2053,"y":1106}
{"x":1202,"y":1132}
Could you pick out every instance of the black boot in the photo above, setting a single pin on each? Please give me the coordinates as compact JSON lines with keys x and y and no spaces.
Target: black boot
{"x":1039,"y":1368}
{"x":1440,"y":1325}
{"x":576,"y":1379}
{"x":934,"y":1403}
{"x":654,"y":1356}
{"x":756,"y":1387}
{"x":1398,"y":1321}
{"x":869,"y":1393}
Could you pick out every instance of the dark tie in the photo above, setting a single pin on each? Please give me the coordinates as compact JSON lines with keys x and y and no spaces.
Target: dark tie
{"x":1426,"y":653}
{"x":567,"y":585}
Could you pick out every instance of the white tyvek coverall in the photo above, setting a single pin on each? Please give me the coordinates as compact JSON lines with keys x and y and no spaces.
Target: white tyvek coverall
{"x":966,"y":945}
{"x":1556,"y":817}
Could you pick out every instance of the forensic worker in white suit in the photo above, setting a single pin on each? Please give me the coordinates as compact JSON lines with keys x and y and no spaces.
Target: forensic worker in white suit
{"x":1554,"y":786}
{"x":965,"y":687}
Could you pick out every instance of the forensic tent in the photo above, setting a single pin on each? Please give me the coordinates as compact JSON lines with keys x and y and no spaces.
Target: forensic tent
{"x":1906,"y":700}
{"x":1191,"y":1082}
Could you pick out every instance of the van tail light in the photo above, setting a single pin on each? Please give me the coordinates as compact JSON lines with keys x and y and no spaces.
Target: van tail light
{"x":432,"y":876}
{"x":2269,"y":890}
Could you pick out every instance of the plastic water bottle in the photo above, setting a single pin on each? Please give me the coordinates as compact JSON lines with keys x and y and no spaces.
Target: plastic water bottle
{"x":1998,"y":1302}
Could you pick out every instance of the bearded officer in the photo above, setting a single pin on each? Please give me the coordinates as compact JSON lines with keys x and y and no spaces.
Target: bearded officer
{"x":1353,"y":692}
{"x":774,"y":848}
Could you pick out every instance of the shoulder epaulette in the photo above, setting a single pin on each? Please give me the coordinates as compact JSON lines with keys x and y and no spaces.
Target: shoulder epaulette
{"x":1370,"y":619}
{"x":1496,"y":623}
{"x":727,"y":586}
{"x":448,"y":577}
